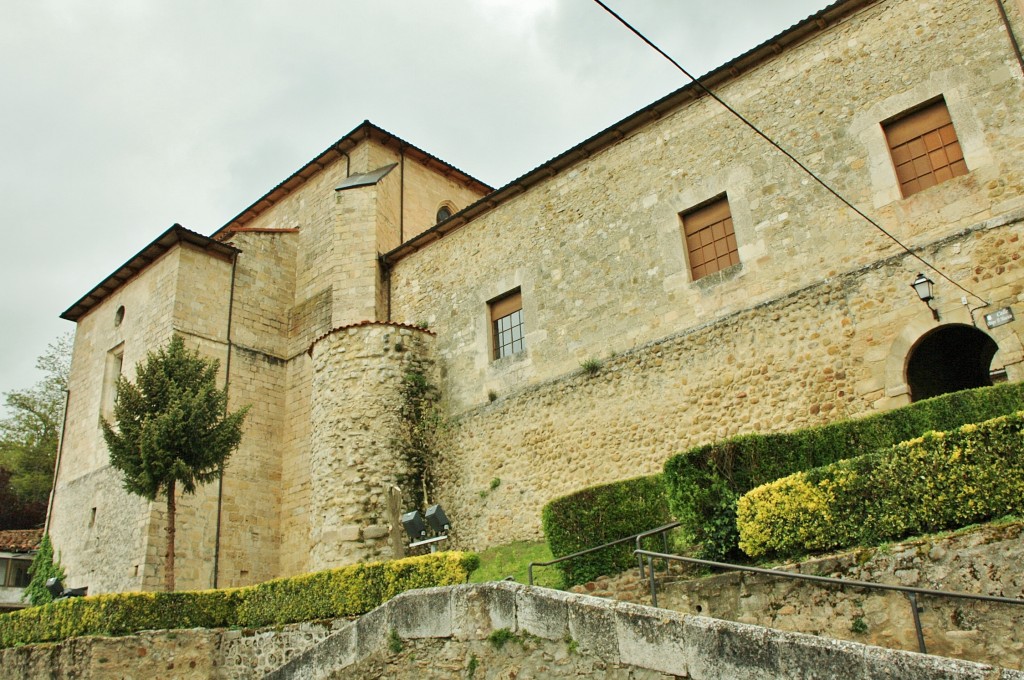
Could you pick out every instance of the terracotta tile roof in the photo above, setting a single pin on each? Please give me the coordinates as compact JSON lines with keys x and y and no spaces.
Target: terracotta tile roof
{"x":20,"y":540}
{"x":174,"y":235}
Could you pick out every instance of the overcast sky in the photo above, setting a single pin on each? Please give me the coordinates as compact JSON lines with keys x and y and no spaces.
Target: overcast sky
{"x":119,"y":118}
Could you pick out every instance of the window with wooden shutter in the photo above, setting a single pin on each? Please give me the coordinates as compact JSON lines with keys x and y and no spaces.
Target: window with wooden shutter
{"x":924,"y":147}
{"x":710,"y":239}
{"x":507,"y":325}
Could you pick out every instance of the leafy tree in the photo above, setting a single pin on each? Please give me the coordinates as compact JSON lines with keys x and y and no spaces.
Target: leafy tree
{"x":172,"y":427}
{"x":16,"y":513}
{"x":29,"y":435}
{"x":43,"y":568}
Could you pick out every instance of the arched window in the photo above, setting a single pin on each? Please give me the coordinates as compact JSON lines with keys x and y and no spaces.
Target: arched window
{"x":444,"y":212}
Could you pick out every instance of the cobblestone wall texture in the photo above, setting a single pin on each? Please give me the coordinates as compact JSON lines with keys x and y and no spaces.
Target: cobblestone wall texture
{"x":358,"y":377}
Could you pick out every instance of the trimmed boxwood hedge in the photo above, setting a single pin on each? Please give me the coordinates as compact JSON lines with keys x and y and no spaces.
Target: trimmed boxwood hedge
{"x":704,"y":483}
{"x":941,"y":480}
{"x":348,"y":591}
{"x":599,"y":515}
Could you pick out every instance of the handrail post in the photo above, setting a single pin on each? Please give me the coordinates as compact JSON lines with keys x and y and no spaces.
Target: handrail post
{"x":640,"y":558}
{"x":654,"y":588}
{"x":529,"y":573}
{"x":917,"y":621}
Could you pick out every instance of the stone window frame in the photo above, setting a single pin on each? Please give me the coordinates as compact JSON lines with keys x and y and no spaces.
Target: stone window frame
{"x":709,"y":237}
{"x":866,"y":126}
{"x":113,"y":368}
{"x":924,"y":146}
{"x":507,"y":336}
{"x":446,"y":206}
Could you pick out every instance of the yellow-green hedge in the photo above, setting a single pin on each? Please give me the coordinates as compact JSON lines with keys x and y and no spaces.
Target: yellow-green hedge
{"x":941,"y":480}
{"x":348,"y":591}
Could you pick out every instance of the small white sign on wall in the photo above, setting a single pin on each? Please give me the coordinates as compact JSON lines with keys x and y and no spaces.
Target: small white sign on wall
{"x":999,"y":317}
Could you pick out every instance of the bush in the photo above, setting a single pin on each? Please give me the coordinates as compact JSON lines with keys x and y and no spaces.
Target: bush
{"x":599,"y":515}
{"x":704,"y":483}
{"x":930,"y":483}
{"x":348,"y":591}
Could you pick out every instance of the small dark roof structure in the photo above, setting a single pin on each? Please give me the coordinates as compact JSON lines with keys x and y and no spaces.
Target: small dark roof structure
{"x":142,"y":259}
{"x":20,"y":540}
{"x":365,"y":179}
{"x":363,"y":131}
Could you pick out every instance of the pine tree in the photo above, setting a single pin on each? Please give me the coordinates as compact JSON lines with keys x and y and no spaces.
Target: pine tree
{"x":171,"y":427}
{"x":42,"y":569}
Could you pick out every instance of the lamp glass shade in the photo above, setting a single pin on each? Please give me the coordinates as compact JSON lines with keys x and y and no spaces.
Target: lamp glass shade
{"x":923,"y":285}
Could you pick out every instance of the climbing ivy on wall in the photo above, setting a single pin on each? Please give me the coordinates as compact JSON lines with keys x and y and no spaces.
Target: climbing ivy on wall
{"x":418,"y":441}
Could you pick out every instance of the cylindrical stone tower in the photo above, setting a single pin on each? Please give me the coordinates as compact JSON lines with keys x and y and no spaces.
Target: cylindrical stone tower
{"x":355,"y":462}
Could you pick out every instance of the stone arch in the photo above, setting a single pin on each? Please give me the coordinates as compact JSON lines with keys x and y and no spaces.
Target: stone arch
{"x":948,"y":358}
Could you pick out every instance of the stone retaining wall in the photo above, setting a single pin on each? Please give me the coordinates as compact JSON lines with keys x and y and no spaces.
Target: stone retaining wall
{"x":985,"y":561}
{"x":507,"y":630}
{"x":175,"y":654}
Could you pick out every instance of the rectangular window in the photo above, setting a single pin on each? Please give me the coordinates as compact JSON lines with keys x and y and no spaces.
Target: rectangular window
{"x":924,"y":148}
{"x":710,"y":239}
{"x":111,"y":372}
{"x":507,"y":325}
{"x":17,"y":573}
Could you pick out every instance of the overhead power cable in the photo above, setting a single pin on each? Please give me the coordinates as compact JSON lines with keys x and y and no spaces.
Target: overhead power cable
{"x":810,"y":173}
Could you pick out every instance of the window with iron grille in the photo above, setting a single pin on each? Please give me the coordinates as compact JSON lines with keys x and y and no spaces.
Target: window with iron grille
{"x":710,"y":239}
{"x":924,"y":147}
{"x":507,"y":325}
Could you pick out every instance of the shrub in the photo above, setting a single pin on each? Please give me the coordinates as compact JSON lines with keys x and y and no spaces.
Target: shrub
{"x":933,"y":482}
{"x":704,"y":483}
{"x":598,"y":515}
{"x":348,"y":591}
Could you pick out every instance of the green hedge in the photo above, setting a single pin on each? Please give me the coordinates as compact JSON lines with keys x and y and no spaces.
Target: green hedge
{"x":598,"y":515}
{"x":930,"y":483}
{"x":348,"y":591}
{"x":704,"y":483}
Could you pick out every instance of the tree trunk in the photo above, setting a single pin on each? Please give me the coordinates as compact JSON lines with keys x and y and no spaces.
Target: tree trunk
{"x":169,"y":565}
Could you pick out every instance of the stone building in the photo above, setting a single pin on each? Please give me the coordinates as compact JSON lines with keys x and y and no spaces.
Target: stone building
{"x":708,"y":284}
{"x":17,"y":548}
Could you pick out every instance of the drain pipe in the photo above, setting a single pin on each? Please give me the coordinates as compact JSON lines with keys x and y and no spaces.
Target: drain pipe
{"x":227,"y":382}
{"x":401,"y":194}
{"x":1009,"y":32}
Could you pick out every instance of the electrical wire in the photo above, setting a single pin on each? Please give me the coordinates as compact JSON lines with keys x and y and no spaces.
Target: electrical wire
{"x":786,"y":153}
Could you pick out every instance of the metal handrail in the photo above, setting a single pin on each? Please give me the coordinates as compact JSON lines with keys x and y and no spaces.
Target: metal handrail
{"x":663,"y":530}
{"x":627,"y":539}
{"x":911,"y":592}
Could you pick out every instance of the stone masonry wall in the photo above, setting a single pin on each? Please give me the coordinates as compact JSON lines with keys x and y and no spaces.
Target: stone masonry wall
{"x":507,"y":630}
{"x":195,"y":654}
{"x":357,"y":391}
{"x":816,"y":323}
{"x":597,"y":251}
{"x":984,"y":561}
{"x":108,"y":539}
{"x":814,"y":356}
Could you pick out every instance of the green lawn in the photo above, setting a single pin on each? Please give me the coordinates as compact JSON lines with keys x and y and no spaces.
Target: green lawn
{"x":512,"y":560}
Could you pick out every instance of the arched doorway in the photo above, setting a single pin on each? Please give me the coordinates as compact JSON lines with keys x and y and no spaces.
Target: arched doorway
{"x":949,"y":358}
